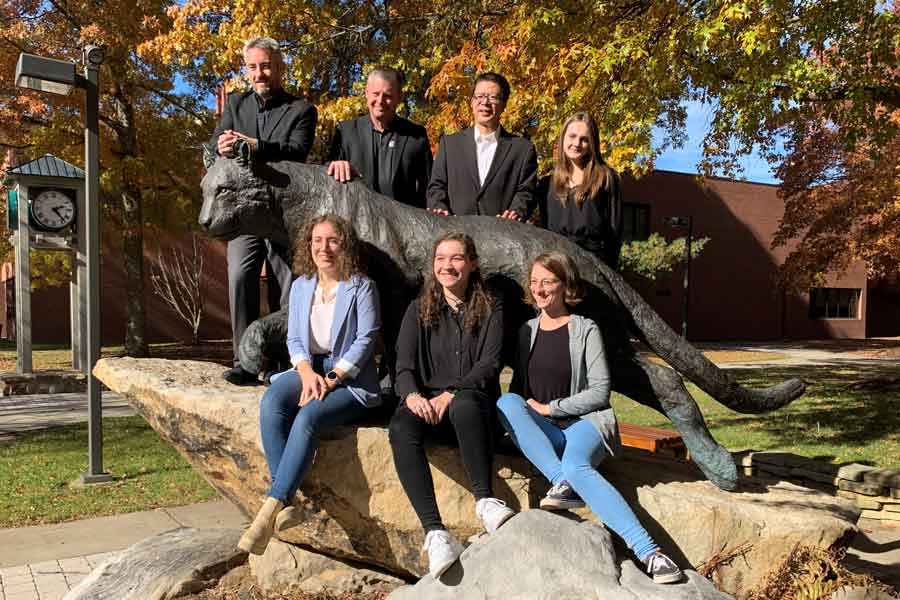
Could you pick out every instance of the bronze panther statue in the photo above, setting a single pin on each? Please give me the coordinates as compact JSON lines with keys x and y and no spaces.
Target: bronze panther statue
{"x":273,"y":200}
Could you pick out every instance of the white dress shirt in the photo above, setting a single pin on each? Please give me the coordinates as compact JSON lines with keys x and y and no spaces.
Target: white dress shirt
{"x":485,"y":146}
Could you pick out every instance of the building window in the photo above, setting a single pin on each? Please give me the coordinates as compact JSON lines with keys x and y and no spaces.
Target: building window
{"x":834,"y":303}
{"x":635,"y":222}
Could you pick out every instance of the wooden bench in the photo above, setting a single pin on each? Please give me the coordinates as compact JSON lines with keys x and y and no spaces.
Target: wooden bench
{"x":653,"y":439}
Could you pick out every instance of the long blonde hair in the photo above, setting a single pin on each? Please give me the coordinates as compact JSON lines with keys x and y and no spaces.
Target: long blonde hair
{"x":598,"y":176}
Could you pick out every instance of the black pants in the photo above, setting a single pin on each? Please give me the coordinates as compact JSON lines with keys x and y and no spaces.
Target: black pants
{"x":468,"y":422}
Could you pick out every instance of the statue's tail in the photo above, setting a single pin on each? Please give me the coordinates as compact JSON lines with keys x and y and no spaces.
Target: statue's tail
{"x":691,"y":363}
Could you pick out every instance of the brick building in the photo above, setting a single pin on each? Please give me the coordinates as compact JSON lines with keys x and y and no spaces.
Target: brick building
{"x":732,"y":295}
{"x":732,"y":291}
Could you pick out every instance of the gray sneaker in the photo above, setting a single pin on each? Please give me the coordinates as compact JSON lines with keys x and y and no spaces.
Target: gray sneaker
{"x":662,"y":569}
{"x":561,"y":497}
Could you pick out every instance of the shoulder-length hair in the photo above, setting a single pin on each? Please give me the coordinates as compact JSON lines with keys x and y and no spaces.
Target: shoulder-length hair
{"x":598,"y":176}
{"x":478,"y":301}
{"x":348,"y":261}
{"x":564,"y":268}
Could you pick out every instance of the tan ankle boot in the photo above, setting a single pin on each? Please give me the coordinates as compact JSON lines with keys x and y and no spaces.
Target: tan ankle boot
{"x":257,"y":536}
{"x":288,"y":517}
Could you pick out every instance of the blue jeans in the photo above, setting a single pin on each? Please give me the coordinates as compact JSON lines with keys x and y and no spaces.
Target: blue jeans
{"x":290,"y":433}
{"x":571,"y":455}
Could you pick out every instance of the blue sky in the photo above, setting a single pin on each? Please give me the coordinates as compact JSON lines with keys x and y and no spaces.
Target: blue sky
{"x":685,"y":159}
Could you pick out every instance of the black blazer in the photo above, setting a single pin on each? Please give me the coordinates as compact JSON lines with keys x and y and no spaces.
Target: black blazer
{"x":410,"y":158}
{"x":509,"y":185}
{"x":290,"y":128}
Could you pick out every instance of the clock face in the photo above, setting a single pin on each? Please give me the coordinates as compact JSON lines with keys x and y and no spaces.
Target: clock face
{"x":53,"y":210}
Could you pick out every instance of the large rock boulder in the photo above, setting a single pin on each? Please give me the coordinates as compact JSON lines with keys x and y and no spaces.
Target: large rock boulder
{"x":538,"y":554}
{"x":169,"y":565}
{"x":355,"y":508}
{"x":286,"y":567}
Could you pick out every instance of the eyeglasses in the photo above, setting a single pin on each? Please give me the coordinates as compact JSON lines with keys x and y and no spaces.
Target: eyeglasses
{"x":489,"y":98}
{"x":544,"y":283}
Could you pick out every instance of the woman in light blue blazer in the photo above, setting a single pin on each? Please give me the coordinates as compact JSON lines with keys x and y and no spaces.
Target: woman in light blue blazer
{"x":566,"y":427}
{"x":333,"y":322}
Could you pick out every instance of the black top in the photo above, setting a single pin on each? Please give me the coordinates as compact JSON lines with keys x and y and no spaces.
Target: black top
{"x":549,"y":368}
{"x":284,"y":125}
{"x":596,"y":225}
{"x":382,"y":146}
{"x":445,"y":356}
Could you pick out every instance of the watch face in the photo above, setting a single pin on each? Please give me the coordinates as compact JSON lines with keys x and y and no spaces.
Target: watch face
{"x":53,"y":210}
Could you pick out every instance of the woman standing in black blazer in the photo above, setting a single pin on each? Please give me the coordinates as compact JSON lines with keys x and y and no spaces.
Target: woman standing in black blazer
{"x":582,"y":198}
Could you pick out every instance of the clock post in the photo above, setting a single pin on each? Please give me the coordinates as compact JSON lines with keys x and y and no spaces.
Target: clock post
{"x":49,"y":213}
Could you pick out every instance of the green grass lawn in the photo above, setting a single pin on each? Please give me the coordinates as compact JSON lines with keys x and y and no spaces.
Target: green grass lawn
{"x":37,"y":470}
{"x":849,"y":413}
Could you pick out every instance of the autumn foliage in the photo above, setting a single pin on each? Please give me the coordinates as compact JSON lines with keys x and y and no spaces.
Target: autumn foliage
{"x":768,"y":68}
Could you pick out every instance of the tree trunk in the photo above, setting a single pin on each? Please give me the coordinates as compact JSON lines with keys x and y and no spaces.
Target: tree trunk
{"x":132,"y":224}
{"x":133,"y":257}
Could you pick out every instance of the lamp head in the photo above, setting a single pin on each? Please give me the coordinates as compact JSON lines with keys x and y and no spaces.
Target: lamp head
{"x":45,"y":74}
{"x":94,"y":55}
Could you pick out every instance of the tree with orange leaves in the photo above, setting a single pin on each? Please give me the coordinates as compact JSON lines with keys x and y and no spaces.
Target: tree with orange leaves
{"x":150,"y":167}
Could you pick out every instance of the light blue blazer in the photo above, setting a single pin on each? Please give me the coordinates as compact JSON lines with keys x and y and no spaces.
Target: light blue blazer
{"x":353,"y":332}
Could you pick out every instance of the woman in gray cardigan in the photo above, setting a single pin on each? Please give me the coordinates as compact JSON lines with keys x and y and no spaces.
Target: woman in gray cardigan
{"x":566,"y":427}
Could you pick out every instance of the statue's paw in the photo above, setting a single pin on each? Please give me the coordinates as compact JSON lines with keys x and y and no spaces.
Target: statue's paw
{"x":713,"y":460}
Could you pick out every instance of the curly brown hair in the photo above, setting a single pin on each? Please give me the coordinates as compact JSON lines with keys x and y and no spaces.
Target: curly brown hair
{"x":478,"y":301}
{"x":348,"y":261}
{"x":565,"y":269}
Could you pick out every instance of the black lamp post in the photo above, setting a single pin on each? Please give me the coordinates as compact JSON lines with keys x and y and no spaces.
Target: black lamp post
{"x":60,"y":77}
{"x":686,"y":222}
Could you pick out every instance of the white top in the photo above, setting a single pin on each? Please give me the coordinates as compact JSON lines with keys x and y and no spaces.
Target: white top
{"x":320,"y":318}
{"x":485,"y":146}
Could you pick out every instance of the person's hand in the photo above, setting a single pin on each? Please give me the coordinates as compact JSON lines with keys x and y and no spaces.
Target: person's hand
{"x":440,"y":211}
{"x":341,"y":170}
{"x":441,"y":403}
{"x":254,"y":143}
{"x":511,"y":215}
{"x":224,"y":143}
{"x":539,"y":408}
{"x":422,"y":408}
{"x":314,"y":386}
{"x":333,"y":383}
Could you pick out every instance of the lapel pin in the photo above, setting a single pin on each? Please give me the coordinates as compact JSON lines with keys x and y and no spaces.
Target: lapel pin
{"x":391,"y":144}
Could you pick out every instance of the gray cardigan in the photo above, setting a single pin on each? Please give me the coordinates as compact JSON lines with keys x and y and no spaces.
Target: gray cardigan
{"x":589,"y":389}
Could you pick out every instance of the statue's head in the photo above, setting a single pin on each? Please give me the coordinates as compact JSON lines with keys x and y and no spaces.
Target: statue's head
{"x":239,"y":200}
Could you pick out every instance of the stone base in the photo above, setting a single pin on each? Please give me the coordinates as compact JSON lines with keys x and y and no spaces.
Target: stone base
{"x":354,"y":508}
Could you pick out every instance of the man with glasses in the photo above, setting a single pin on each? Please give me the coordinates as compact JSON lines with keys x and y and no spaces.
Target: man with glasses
{"x":391,"y":154}
{"x":484,"y":170}
{"x":265,"y":123}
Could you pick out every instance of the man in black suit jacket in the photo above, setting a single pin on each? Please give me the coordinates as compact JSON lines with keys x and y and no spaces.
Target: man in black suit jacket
{"x":276,"y":126}
{"x":485,"y":170}
{"x":391,"y":154}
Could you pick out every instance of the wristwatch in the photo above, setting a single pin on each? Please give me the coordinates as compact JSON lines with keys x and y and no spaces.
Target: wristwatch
{"x":332,"y":376}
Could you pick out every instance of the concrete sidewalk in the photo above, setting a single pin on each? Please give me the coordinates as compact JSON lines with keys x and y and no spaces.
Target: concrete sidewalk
{"x":40,"y":411}
{"x":45,"y":561}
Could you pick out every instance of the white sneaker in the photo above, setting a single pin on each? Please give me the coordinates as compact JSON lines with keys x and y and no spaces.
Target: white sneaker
{"x":442,"y":549}
{"x":493,"y":513}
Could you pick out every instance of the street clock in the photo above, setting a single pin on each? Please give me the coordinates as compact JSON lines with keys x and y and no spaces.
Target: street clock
{"x":52,"y":209}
